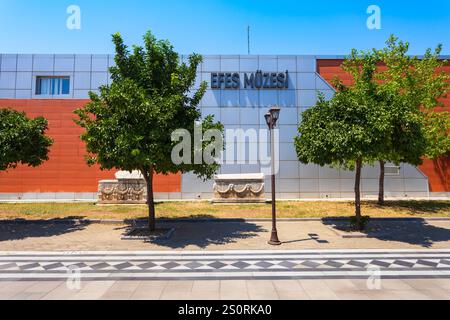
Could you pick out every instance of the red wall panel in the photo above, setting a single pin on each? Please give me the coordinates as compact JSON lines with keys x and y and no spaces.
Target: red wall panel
{"x":437,"y":171}
{"x":66,"y":171}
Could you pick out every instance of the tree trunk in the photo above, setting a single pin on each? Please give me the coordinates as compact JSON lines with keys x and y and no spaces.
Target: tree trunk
{"x":358,"y":194}
{"x":148,"y":175}
{"x":381,"y":188}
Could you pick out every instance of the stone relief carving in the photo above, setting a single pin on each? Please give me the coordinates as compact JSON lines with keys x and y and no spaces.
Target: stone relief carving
{"x":239,"y":188}
{"x":129,"y":188}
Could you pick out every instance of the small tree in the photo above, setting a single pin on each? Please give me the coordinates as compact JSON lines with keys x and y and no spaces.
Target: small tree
{"x":351,"y":129}
{"x":413,"y":83}
{"x":130,"y":123}
{"x":403,"y":84}
{"x":22,"y":140}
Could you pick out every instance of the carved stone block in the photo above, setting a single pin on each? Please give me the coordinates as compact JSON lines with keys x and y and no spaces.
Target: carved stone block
{"x":128,"y":189}
{"x":239,"y":188}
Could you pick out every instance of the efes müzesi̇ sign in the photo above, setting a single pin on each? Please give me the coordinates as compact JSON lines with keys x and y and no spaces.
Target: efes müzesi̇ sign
{"x":255,"y":80}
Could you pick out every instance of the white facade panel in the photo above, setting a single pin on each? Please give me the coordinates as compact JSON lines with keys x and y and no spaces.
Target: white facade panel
{"x":268,"y":64}
{"x":82,"y":80}
{"x":249,"y":98}
{"x":211,"y":99}
{"x":248,"y":65}
{"x":268,"y":98}
{"x":230,"y":98}
{"x":306,"y":81}
{"x":229,"y":65}
{"x":7,"y":94}
{"x":287,"y":99}
{"x":8,"y":80}
{"x":290,"y":116}
{"x":83,"y":63}
{"x":289,"y":169}
{"x":288,"y":63}
{"x":23,"y":94}
{"x":98,"y":79}
{"x":249,"y":116}
{"x":8,"y":62}
{"x":211,"y":65}
{"x":24,"y":80}
{"x":306,"y":98}
{"x":81,"y":94}
{"x":43,"y":62}
{"x":65,"y":63}
{"x":99,"y":63}
{"x":306,"y":64}
{"x":25,"y":62}
{"x":229,"y":116}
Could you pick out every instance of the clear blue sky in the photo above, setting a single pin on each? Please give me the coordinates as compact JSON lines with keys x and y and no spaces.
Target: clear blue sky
{"x":219,"y":26}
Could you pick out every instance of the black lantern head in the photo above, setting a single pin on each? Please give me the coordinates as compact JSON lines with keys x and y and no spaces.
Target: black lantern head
{"x":275,"y":113}
{"x":268,"y":117}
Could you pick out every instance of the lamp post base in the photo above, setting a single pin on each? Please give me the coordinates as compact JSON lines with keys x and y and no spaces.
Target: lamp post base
{"x":274,"y":241}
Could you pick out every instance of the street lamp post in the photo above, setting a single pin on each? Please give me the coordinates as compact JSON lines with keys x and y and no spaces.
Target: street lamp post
{"x":271,"y":118}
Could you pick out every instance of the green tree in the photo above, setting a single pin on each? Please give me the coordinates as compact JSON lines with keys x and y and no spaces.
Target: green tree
{"x":22,"y":140}
{"x":421,"y":82}
{"x":414,"y":83}
{"x":128,"y":125}
{"x":356,"y":126}
{"x":405,"y":84}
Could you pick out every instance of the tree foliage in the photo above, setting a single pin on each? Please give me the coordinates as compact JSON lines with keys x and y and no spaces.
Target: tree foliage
{"x":419,"y":83}
{"x":346,"y":131}
{"x":129,"y":123}
{"x":387,"y":114}
{"x":350,"y":126}
{"x":398,"y":86}
{"x":361,"y":124}
{"x":22,"y":140}
{"x":411,"y":88}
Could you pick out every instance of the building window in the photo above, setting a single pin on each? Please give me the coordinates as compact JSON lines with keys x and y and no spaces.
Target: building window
{"x":52,"y":86}
{"x":392,"y":170}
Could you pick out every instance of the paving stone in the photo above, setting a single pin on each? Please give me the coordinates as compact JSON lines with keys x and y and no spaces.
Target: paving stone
{"x":7,"y":266}
{"x":170,"y":265}
{"x":287,"y":264}
{"x":123,"y":266}
{"x":217,"y":265}
{"x":206,"y":285}
{"x":241,"y":265}
{"x":147,"y":265}
{"x":264,"y":264}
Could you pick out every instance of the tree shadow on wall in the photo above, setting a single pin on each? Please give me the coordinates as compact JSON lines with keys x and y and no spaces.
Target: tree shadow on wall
{"x":21,"y":229}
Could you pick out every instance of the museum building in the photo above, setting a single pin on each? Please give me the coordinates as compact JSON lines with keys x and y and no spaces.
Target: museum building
{"x":240,"y":91}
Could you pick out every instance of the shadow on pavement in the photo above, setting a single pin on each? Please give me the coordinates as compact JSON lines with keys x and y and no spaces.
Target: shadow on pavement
{"x":204,"y":233}
{"x":20,"y":229}
{"x":412,"y":231}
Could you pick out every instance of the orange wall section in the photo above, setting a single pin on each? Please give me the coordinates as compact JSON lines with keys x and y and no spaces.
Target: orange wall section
{"x":438,"y":172}
{"x":66,"y":170}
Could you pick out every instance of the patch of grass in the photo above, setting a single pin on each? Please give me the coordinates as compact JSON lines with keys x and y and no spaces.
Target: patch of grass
{"x":173,"y":210}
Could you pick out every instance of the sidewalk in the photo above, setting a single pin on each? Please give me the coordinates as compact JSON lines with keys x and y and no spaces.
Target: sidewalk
{"x":231,"y":275}
{"x":295,"y":235}
{"x":409,"y":289}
